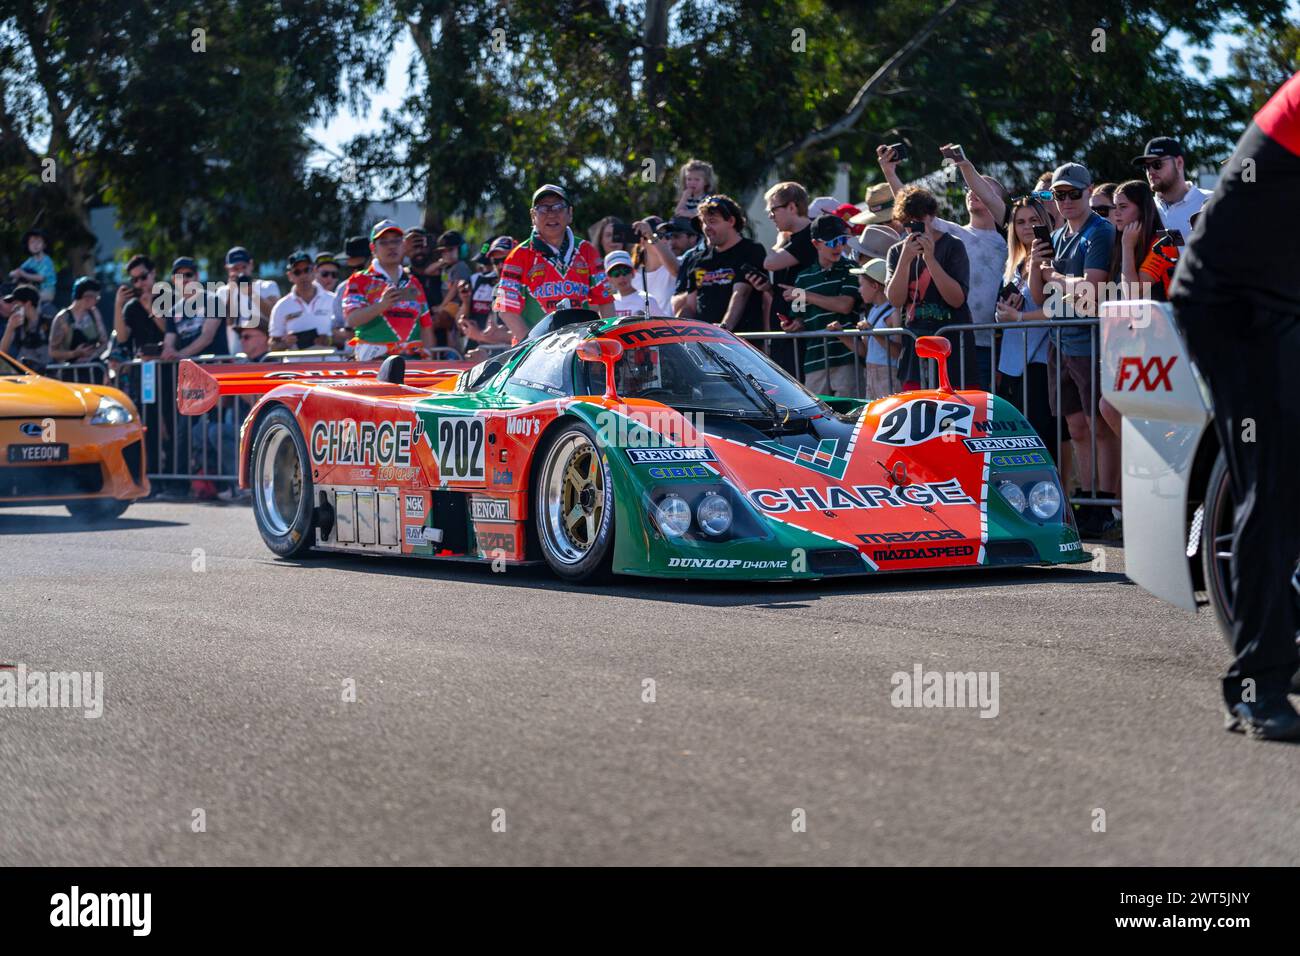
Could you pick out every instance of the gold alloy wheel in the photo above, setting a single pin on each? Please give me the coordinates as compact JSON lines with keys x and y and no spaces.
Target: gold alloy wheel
{"x":573,"y":486}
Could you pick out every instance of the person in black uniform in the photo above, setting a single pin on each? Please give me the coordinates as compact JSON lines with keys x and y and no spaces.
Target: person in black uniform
{"x":1236,"y":296}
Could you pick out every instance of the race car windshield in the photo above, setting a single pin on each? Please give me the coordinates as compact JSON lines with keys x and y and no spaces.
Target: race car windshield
{"x":689,"y":375}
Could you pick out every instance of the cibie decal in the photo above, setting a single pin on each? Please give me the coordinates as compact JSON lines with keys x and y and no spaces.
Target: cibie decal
{"x":821,"y":459}
{"x":524,"y":427}
{"x":1147,"y":375}
{"x":678,"y":472}
{"x":490,"y":509}
{"x":837,"y":497}
{"x":922,"y":419}
{"x":669,"y":456}
{"x":460,"y":449}
{"x":348,"y":442}
{"x":1015,"y":461}
{"x":1023,"y":443}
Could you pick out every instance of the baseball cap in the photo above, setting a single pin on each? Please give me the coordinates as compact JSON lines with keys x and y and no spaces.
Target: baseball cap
{"x":24,"y":293}
{"x":1071,"y":174}
{"x":821,"y":206}
{"x":85,"y":284}
{"x":1158,"y":148}
{"x":383,"y":226}
{"x":184,"y":262}
{"x":451,"y":239}
{"x":617,"y":258}
{"x":356,"y":247}
{"x":326,"y":259}
{"x":877,"y":206}
{"x":417,"y":231}
{"x":681,"y":224}
{"x":829,"y":226}
{"x":873,"y":269}
{"x":501,"y":244}
{"x":297,"y":257}
{"x":549,"y":188}
{"x":237,"y":254}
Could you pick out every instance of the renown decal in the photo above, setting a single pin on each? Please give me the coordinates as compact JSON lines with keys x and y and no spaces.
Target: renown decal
{"x":668,"y":456}
{"x":837,"y":497}
{"x":489,"y":509}
{"x":347,"y":442}
{"x":922,"y":419}
{"x":1023,"y":443}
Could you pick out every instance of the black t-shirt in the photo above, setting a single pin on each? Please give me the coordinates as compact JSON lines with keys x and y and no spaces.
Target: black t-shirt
{"x":801,"y":247}
{"x":144,"y":331}
{"x":188,"y":328}
{"x":711,"y":273}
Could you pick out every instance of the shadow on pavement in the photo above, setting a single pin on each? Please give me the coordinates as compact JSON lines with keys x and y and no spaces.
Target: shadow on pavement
{"x":66,"y":524}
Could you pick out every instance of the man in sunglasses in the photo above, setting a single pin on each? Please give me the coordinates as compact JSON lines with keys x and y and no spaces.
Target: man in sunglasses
{"x":327,"y":271}
{"x":550,"y":269}
{"x":823,"y":292}
{"x":191,"y":328}
{"x":303,"y":318}
{"x":1066,"y":276}
{"x":138,"y":327}
{"x":1176,"y":198}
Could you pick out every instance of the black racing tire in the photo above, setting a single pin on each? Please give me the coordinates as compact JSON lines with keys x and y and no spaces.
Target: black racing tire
{"x":280,"y":476}
{"x":577,"y":548}
{"x":1217,"y":544}
{"x":97,"y":510}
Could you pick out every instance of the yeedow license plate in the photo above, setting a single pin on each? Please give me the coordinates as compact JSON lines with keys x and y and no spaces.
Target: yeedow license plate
{"x":47,"y":451}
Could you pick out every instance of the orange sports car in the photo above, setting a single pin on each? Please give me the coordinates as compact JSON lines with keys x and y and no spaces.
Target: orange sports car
{"x":81,"y":446}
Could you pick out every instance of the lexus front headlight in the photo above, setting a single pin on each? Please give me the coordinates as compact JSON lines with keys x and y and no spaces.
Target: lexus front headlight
{"x":110,"y":412}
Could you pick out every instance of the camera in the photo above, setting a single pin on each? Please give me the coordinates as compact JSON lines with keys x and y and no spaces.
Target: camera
{"x":624,"y":233}
{"x":899,"y":151}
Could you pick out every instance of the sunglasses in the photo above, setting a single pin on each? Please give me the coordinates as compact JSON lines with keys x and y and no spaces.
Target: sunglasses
{"x":328,"y":274}
{"x":1059,"y":194}
{"x":834,"y":243}
{"x":299,"y":272}
{"x":1102,"y":209}
{"x":1153,"y":163}
{"x":618,"y":271}
{"x":544,"y":208}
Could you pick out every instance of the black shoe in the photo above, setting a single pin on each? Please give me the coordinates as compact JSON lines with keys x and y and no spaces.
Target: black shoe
{"x":1273,"y":719}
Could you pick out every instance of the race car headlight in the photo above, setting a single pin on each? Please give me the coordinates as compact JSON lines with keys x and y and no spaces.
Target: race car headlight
{"x":673,"y":515}
{"x":1011,"y":492}
{"x":110,"y":412}
{"x":713,"y":514}
{"x":1044,"y":499}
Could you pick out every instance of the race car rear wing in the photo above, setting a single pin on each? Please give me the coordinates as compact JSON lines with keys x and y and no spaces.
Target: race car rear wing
{"x":199,"y":386}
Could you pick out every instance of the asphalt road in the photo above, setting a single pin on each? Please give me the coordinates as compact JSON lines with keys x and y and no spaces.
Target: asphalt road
{"x":509,"y":694}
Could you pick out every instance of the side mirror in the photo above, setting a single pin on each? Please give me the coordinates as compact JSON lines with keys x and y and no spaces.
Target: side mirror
{"x":938,"y":348}
{"x":608,"y":352}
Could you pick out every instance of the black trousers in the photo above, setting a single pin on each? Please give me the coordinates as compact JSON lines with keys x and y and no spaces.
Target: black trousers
{"x":1250,"y":357}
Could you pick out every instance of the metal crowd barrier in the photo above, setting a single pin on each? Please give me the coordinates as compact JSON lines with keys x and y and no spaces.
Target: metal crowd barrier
{"x":82,"y":373}
{"x":793,"y":359}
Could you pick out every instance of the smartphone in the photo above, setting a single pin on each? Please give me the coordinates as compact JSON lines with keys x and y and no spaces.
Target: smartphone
{"x":915,"y":226}
{"x":1175,"y":236}
{"x":899,"y":151}
{"x":955,"y":153}
{"x":1043,"y":233}
{"x":1008,"y":290}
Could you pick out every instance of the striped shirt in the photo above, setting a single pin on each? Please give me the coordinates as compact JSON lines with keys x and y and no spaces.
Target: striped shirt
{"x":819,"y":353}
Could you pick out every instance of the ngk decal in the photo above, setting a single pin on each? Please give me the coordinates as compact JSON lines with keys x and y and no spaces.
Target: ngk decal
{"x":348,"y":442}
{"x":921,"y":419}
{"x":1149,"y":374}
{"x":414,"y":505}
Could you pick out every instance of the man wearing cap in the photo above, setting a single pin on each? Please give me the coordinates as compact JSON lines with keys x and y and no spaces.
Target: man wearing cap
{"x":383,"y":305}
{"x":327,"y":272}
{"x":26,"y":336}
{"x":1066,"y":277}
{"x":192,"y":328}
{"x":245,"y":298}
{"x":78,"y":333}
{"x":474,"y":314}
{"x":1236,"y":296}
{"x":1176,"y":198}
{"x":550,"y":269}
{"x":302,"y":319}
{"x":824,"y":292}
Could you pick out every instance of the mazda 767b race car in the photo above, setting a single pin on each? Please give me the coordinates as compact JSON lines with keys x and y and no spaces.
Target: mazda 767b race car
{"x":640,"y":445}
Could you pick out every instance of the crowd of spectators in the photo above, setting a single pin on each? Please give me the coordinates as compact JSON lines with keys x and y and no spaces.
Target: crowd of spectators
{"x":889,"y":262}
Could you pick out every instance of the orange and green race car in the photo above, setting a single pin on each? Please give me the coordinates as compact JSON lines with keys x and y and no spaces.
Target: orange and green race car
{"x":81,"y":446}
{"x":648,"y":446}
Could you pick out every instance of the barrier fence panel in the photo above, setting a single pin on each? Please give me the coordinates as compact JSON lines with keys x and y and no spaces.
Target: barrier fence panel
{"x":82,"y":373}
{"x":885,"y":377}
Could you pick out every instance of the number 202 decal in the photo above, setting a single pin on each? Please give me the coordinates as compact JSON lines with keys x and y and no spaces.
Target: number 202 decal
{"x":921,"y":419}
{"x":460,"y":449}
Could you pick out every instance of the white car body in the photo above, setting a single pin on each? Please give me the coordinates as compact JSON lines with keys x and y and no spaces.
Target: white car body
{"x":1168,"y":444}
